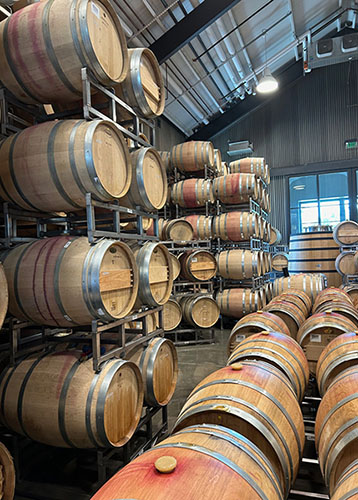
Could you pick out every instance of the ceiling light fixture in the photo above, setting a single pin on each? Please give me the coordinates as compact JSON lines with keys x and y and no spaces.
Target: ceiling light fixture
{"x":267,"y":82}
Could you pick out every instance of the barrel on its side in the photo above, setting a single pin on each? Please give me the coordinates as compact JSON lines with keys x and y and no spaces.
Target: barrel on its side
{"x":346,"y":487}
{"x":346,"y":263}
{"x":237,"y":302}
{"x":83,"y":409}
{"x":192,"y":193}
{"x":179,"y":466}
{"x":7,"y":474}
{"x":239,"y":264}
{"x":178,"y":230}
{"x":291,"y":314}
{"x":250,"y":166}
{"x":235,"y":188}
{"x":276,"y":237}
{"x":197,"y":265}
{"x":51,"y":166}
{"x":202,"y":226}
{"x":64,"y":281}
{"x":192,"y":156}
{"x":311,"y":284}
{"x":236,"y":226}
{"x":200,"y":310}
{"x":329,"y":295}
{"x":346,"y":233}
{"x":314,"y":252}
{"x":44,"y":47}
{"x":279,"y":261}
{"x":172,"y":315}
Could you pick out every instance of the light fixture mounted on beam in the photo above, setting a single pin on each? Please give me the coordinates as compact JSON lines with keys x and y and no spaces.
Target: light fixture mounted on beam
{"x":267,"y":82}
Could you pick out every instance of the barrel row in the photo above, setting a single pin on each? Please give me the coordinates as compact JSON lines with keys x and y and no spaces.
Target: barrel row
{"x":236,"y":264}
{"x":197,"y":310}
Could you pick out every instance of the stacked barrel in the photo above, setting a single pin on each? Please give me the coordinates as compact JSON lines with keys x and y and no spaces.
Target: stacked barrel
{"x":64,"y":281}
{"x":345,"y":235}
{"x":241,"y":429}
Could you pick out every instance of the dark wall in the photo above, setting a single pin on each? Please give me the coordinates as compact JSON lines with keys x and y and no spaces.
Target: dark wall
{"x":306,"y":123}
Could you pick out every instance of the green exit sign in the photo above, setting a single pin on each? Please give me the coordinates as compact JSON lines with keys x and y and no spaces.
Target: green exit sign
{"x":352,"y":144}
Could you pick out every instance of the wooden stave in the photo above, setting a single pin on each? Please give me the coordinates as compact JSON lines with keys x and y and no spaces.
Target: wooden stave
{"x":241,"y":268}
{"x":193,"y":412}
{"x":276,"y":237}
{"x":352,"y":291}
{"x":78,"y":304}
{"x":89,"y":430}
{"x":175,"y":265}
{"x":7,"y":474}
{"x":202,"y":226}
{"x":339,"y":355}
{"x":329,"y":294}
{"x":138,"y":194}
{"x":4,"y":295}
{"x":147,"y":366}
{"x":346,"y":486}
{"x":246,"y":222}
{"x":329,"y":320}
{"x":290,"y":313}
{"x":227,"y":456}
{"x":165,"y":156}
{"x":192,"y":163}
{"x":347,"y":310}
{"x":293,"y":299}
{"x":70,"y":170}
{"x":174,"y":325}
{"x":253,"y":305}
{"x":187,"y":304}
{"x":335,"y":431}
{"x":279,"y":350}
{"x":63,"y":86}
{"x":249,"y":165}
{"x":302,"y":282}
{"x":192,"y":193}
{"x":235,"y":188}
{"x":189,"y":257}
{"x":132,"y":85}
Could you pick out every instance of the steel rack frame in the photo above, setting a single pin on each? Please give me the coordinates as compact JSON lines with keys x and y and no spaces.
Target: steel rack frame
{"x":9,"y":122}
{"x":193,"y":287}
{"x":278,"y":249}
{"x":254,"y":283}
{"x":182,"y":246}
{"x":252,"y":244}
{"x":43,"y":337}
{"x":197,"y":336}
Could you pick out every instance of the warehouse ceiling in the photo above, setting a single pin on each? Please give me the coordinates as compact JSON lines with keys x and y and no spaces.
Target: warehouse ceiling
{"x":212,"y":52}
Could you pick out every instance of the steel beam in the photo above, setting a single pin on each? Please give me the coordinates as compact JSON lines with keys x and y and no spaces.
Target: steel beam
{"x":189,"y":27}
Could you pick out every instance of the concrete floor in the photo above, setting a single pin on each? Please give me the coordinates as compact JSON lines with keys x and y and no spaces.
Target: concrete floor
{"x":195,"y":363}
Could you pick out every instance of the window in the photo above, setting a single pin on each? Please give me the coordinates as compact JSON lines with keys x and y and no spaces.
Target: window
{"x":318,"y":200}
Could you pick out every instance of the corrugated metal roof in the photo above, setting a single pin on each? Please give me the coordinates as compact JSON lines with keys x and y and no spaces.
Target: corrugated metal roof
{"x":198,"y":89}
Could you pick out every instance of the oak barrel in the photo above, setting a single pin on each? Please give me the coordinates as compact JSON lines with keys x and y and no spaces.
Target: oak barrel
{"x":314,"y":252}
{"x":279,"y":261}
{"x":155,"y":273}
{"x":199,"y":310}
{"x":192,"y":156}
{"x":234,"y":189}
{"x":275,"y":236}
{"x":197,"y":265}
{"x":352,"y":291}
{"x":278,"y":350}
{"x":172,"y":315}
{"x":159,"y":367}
{"x":51,"y":166}
{"x":236,"y":226}
{"x":149,"y":187}
{"x":175,"y":265}
{"x":346,"y":263}
{"x":223,"y":169}
{"x":4,"y":295}
{"x":318,"y":331}
{"x":143,"y":87}
{"x":217,"y":161}
{"x":291,"y":314}
{"x":237,"y":302}
{"x":239,"y":264}
{"x":330,"y":294}
{"x":250,"y":166}
{"x":192,"y":193}
{"x":64,"y":281}
{"x":343,"y":308}
{"x":311,"y":284}
{"x":254,"y":323}
{"x":336,"y":429}
{"x":7,"y":474}
{"x":202,"y":226}
{"x":179,"y":467}
{"x":44,"y":47}
{"x":346,"y":233}
{"x":165,"y":156}
{"x":82,"y":409}
{"x":178,"y":230}
{"x":346,"y":487}
{"x":340,"y":354}
{"x":258,"y":401}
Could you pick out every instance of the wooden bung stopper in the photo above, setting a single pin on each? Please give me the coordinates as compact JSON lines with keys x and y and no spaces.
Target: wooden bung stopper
{"x":165,"y":464}
{"x":237,"y":367}
{"x":265,"y":333}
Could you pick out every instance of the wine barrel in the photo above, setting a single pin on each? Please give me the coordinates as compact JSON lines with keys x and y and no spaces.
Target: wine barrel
{"x":151,"y":322}
{"x":64,"y":281}
{"x":172,"y":315}
{"x":192,"y":193}
{"x":346,"y":233}
{"x":236,"y":226}
{"x":291,"y":314}
{"x":314,"y":252}
{"x":318,"y":331}
{"x":217,"y":161}
{"x":165,"y":156}
{"x":178,"y":467}
{"x":258,"y":401}
{"x":254,"y":323}
{"x":155,"y":273}
{"x":237,"y":302}
{"x":143,"y":87}
{"x":178,"y":230}
{"x":4,"y":295}
{"x":347,"y":310}
{"x":44,"y":47}
{"x":159,"y":367}
{"x":175,"y":265}
{"x":345,"y":263}
{"x":199,"y":310}
{"x":336,"y":429}
{"x":234,"y":189}
{"x":192,"y":156}
{"x":268,"y":290}
{"x":202,"y":226}
{"x":149,"y":187}
{"x":51,"y":166}
{"x":341,"y":353}
{"x":239,"y":264}
{"x":84,"y":409}
{"x":262,"y":294}
{"x":346,"y":487}
{"x":276,"y":237}
{"x":223,"y":169}
{"x":197,"y":265}
{"x":278,"y":350}
{"x":7,"y":474}
{"x":352,"y":291}
{"x":250,"y":166}
{"x":279,"y":261}
{"x":296,"y":299}
{"x":329,"y":295}
{"x":311,"y":284}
